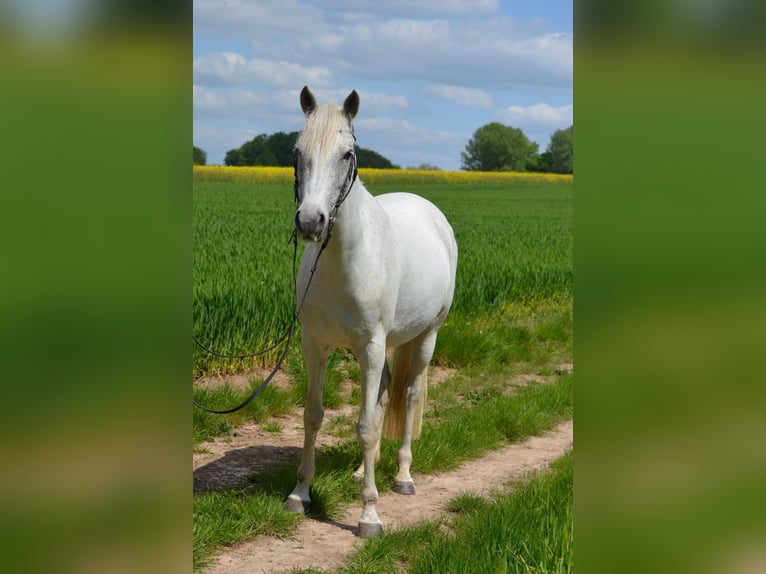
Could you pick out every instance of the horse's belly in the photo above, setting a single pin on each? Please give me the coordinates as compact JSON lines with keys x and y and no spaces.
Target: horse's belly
{"x":348,"y":324}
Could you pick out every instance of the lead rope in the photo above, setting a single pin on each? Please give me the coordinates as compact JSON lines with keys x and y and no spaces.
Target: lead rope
{"x":345,"y":190}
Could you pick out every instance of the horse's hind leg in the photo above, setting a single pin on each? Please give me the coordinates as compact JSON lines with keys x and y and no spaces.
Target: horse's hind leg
{"x":315,"y":356}
{"x":423,"y":350}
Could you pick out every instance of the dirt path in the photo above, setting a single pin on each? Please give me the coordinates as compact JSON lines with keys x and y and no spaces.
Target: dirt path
{"x":325,"y":544}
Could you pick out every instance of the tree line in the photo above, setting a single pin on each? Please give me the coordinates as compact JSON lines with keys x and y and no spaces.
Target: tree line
{"x":493,"y":147}
{"x":278,"y":149}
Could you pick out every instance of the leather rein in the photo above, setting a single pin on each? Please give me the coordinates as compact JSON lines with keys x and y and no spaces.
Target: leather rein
{"x":345,"y":189}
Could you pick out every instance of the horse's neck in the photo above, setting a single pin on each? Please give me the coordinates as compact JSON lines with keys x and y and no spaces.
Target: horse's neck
{"x":359,"y":221}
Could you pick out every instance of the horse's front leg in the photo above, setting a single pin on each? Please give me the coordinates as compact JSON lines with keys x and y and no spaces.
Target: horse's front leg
{"x":372,"y":361}
{"x":315,"y":356}
{"x":380,"y":412}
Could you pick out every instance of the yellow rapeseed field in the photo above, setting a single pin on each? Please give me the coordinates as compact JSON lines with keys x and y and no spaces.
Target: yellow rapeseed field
{"x":371,"y":176}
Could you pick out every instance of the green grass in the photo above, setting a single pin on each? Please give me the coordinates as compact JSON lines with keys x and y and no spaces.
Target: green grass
{"x":529,"y":332}
{"x":512,"y":314}
{"x":226,"y":518}
{"x":334,"y":377}
{"x":515,"y":244}
{"x":459,"y":433}
{"x":206,"y":426}
{"x":273,"y":427}
{"x":528,"y":530}
{"x":243,"y":294}
{"x":525,"y":531}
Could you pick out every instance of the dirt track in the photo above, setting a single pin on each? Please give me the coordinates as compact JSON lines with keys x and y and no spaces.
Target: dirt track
{"x":325,"y":544}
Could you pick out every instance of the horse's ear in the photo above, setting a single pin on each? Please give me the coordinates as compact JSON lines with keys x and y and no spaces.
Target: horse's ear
{"x":351,"y":104}
{"x":308,"y":101}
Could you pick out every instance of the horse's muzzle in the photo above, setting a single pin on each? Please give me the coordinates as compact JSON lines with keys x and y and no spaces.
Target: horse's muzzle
{"x":310,"y":227}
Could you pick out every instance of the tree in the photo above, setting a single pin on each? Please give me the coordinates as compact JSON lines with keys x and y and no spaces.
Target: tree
{"x":199,"y":157}
{"x":496,"y":147}
{"x":559,"y":155}
{"x":282,"y":145}
{"x":278,"y":149}
{"x":369,"y":158}
{"x":426,"y":167}
{"x":233,"y":157}
{"x":257,"y":152}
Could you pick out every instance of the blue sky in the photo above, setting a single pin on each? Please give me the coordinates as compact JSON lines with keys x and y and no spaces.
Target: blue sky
{"x":428,"y":73}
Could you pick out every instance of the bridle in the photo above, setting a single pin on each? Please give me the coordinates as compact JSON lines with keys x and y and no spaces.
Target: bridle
{"x":345,"y":189}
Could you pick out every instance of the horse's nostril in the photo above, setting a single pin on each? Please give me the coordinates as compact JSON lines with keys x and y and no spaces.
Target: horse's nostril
{"x":321,"y":219}
{"x":297,"y":218}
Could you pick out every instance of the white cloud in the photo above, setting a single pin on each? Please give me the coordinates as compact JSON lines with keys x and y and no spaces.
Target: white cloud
{"x":537,"y":115}
{"x":376,"y":102}
{"x":221,"y":68}
{"x":273,"y":109}
{"x":491,"y":51}
{"x":419,"y":8}
{"x":255,"y":55}
{"x":207,"y":102}
{"x":496,"y":53}
{"x":399,"y":128}
{"x":465,"y":97}
{"x":409,"y":144}
{"x":204,"y":100}
{"x":251,"y":18}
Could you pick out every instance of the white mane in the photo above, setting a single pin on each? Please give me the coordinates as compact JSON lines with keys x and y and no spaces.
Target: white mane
{"x":322,"y":128}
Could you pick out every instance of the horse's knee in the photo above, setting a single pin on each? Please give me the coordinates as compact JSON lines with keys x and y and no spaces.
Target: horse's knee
{"x":312,"y":418}
{"x":367,"y":433}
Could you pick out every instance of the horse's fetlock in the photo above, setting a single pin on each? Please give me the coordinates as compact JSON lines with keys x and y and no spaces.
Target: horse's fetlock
{"x":370,"y":498}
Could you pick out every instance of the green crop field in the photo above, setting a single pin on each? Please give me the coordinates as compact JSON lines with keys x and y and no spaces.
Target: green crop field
{"x":515,"y":246}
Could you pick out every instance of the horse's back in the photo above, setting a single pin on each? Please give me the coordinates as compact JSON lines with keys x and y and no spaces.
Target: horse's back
{"x":416,"y":219}
{"x":427,"y":255}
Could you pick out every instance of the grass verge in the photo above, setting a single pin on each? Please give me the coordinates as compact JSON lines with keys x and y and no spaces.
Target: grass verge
{"x":205,"y":426}
{"x":224,"y":518}
{"x":460,"y":433}
{"x":528,"y":530}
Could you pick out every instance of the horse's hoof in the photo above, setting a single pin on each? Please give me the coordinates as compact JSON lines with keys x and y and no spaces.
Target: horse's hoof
{"x":295,"y":504}
{"x":404,"y":487}
{"x":370,"y":529}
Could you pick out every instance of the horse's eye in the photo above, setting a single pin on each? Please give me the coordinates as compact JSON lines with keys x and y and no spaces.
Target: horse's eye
{"x":349,"y":155}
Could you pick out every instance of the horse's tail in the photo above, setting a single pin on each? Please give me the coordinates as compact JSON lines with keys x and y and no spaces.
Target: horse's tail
{"x":393,"y":425}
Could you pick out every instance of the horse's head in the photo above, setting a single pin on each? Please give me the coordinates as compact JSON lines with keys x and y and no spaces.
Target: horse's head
{"x":325,"y":163}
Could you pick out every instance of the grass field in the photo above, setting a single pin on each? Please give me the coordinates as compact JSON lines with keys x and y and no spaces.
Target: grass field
{"x":512,"y":315}
{"x":515,"y":243}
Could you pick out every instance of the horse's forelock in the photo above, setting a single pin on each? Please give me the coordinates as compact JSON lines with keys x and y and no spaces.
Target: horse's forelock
{"x":322,"y":128}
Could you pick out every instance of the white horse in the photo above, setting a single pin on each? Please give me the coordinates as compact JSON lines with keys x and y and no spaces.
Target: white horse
{"x":384,"y":281}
